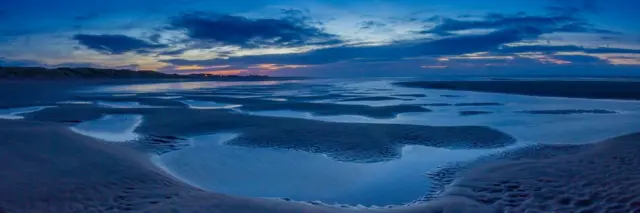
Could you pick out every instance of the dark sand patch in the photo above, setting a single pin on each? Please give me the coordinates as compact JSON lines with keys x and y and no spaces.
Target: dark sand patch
{"x":451,"y":96}
{"x":29,"y":93}
{"x":358,"y":142}
{"x":323,"y":109}
{"x":142,"y":99}
{"x":216,"y":93}
{"x":479,"y":104}
{"x":568,"y":111}
{"x":373,"y":98}
{"x":624,"y":90}
{"x":438,"y":104}
{"x":465,"y":104}
{"x":316,"y":97}
{"x":412,"y":95}
{"x":470,"y":113}
{"x":160,"y":144}
{"x":380,"y":89}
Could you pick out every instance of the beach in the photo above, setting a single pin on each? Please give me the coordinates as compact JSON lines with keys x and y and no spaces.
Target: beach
{"x":79,"y":154}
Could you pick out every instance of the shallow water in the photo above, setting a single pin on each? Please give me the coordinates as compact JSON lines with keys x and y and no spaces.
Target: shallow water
{"x":539,"y":128}
{"x":261,"y":172}
{"x":74,"y":102}
{"x":115,"y":104}
{"x":209,"y":105}
{"x":112,"y":128}
{"x":183,"y":86}
{"x":15,"y":113}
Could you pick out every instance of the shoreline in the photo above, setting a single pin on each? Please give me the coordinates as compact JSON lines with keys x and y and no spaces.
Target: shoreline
{"x":606,"y":90}
{"x":53,"y":169}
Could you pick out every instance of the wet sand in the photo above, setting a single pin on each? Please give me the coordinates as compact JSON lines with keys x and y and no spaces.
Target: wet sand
{"x":49,"y":168}
{"x":360,"y":142}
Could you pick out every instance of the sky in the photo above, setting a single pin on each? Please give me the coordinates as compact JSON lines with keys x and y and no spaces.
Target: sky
{"x":330,"y":38}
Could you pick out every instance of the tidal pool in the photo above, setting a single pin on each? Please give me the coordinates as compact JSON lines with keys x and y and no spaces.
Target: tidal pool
{"x":282,"y":173}
{"x":120,"y":104}
{"x":111,"y":128}
{"x":263,"y":172}
{"x":209,"y":105}
{"x":15,"y":113}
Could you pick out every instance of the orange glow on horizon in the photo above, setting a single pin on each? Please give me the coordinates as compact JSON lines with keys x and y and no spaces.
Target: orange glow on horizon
{"x":197,"y":67}
{"x":226,"y":72}
{"x":624,"y":61}
{"x":276,"y":66}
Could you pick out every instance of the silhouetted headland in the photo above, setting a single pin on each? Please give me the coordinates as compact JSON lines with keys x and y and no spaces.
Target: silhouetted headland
{"x":42,"y":73}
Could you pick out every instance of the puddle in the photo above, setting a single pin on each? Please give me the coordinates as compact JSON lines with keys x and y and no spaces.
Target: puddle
{"x":117,"y":104}
{"x":302,"y":176}
{"x":112,"y":128}
{"x":15,"y":113}
{"x":75,"y":102}
{"x":167,"y":97}
{"x":209,"y":105}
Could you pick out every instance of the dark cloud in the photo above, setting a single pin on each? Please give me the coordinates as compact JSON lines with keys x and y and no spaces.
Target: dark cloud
{"x":581,"y":27}
{"x":116,"y":44}
{"x":155,"y":37}
{"x":32,"y":63}
{"x":371,"y":24}
{"x":300,"y":16}
{"x":564,"y":48}
{"x":548,"y":24}
{"x":393,"y":52}
{"x":517,"y":66}
{"x":216,"y":29}
{"x":173,"y":52}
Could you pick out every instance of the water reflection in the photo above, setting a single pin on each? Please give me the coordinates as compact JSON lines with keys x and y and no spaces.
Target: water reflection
{"x":209,"y":105}
{"x":121,"y":104}
{"x":263,"y":172}
{"x":15,"y":113}
{"x":178,"y":86}
{"x":112,"y":128}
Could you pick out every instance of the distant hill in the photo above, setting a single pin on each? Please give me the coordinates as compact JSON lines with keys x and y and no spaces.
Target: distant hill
{"x":41,"y":73}
{"x":82,"y":73}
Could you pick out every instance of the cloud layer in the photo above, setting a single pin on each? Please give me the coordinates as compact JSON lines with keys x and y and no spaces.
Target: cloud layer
{"x":250,"y":33}
{"x":115,"y":44}
{"x":363,"y":38}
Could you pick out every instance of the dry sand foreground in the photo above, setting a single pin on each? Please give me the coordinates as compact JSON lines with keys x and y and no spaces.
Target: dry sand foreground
{"x":47,"y":168}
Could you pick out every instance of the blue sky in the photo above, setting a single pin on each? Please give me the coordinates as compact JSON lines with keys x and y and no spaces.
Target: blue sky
{"x":358,"y":38}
